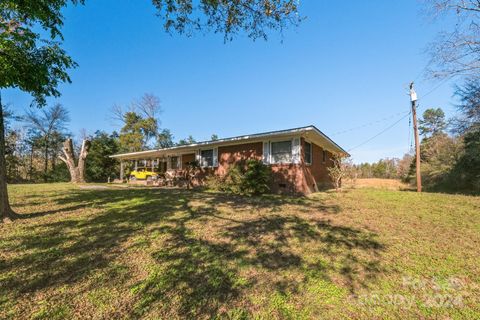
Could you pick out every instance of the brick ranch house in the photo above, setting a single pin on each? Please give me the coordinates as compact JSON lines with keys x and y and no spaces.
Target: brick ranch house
{"x":299,"y":157}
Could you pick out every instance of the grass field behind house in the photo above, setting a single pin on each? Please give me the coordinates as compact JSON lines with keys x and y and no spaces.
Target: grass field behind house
{"x":168,"y":254}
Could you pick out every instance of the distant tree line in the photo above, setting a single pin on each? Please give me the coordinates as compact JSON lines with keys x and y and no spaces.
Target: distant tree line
{"x":450,"y":149}
{"x":387,"y":168}
{"x":34,"y":141}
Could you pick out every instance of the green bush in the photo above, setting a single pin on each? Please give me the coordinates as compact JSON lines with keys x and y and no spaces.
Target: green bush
{"x":214,"y":182}
{"x":257,"y":178}
{"x":247,"y":178}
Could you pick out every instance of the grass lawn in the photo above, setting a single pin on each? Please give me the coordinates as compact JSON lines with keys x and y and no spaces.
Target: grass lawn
{"x":167,"y":254}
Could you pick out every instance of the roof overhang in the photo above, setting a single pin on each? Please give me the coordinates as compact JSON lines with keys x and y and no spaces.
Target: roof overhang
{"x":310,"y":133}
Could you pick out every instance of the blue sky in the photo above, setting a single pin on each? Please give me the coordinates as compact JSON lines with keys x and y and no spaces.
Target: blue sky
{"x":346,"y":65}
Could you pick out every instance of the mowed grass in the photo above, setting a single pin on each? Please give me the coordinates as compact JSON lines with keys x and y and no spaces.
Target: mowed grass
{"x":174,"y":254}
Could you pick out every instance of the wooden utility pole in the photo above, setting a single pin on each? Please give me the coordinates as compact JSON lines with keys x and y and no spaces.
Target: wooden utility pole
{"x":413,"y":99}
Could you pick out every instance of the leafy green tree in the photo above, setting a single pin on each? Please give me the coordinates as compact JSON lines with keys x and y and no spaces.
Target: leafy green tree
{"x":466,"y":174}
{"x":467,"y":170}
{"x":30,"y":60}
{"x":133,"y":134}
{"x":255,"y":17}
{"x":165,"y":139}
{"x":432,"y":123}
{"x":214,"y":137}
{"x":384,"y":168}
{"x":439,"y":154}
{"x":99,"y":165}
{"x":140,"y":123}
{"x":187,"y":141}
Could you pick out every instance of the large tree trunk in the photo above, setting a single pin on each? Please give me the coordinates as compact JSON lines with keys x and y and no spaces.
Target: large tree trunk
{"x":6,"y":213}
{"x":77,"y":172}
{"x":82,"y":158}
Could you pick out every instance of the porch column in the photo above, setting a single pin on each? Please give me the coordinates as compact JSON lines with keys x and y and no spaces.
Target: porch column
{"x":136,"y":165}
{"x":121,"y":170}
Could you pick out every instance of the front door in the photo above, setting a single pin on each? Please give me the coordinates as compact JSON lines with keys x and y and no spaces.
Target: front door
{"x":162,"y":166}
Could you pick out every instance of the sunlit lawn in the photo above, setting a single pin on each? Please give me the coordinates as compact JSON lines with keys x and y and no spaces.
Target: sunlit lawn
{"x":166,"y":254}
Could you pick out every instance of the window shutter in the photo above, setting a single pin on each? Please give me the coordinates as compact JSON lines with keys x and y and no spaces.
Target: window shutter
{"x":215,"y":157}
{"x":180,"y":162}
{"x":266,"y":152}
{"x":296,"y":150}
{"x":198,"y":157}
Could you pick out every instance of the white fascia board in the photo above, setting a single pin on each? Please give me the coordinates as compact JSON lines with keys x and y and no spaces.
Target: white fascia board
{"x":274,"y":135}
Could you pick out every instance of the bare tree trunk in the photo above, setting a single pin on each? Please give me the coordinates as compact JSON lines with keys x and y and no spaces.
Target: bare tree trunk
{"x":53,"y":160}
{"x":45,"y":165}
{"x":77,"y":172}
{"x":6,"y":212}
{"x":30,"y":171}
{"x":82,"y":158}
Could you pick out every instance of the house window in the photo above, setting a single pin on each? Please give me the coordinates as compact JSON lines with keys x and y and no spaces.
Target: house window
{"x":281,"y":152}
{"x":324,"y":156}
{"x":174,"y":162}
{"x":308,"y":153}
{"x":206,"y":158}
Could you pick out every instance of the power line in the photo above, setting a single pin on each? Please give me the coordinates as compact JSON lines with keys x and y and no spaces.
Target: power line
{"x":423,"y":70}
{"x":435,"y":88}
{"x":381,"y":132}
{"x":389,"y":117}
{"x":369,"y":123}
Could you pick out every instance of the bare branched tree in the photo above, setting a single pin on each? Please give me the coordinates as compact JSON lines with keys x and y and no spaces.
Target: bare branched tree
{"x":117,"y":115}
{"x":457,"y":52}
{"x":83,"y":134}
{"x":47,"y":122}
{"x":149,"y":106}
{"x":339,"y":170}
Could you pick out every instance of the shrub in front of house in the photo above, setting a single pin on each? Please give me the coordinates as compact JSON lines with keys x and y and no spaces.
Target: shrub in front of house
{"x":250,"y":177}
{"x":214,"y":182}
{"x":257,"y":178}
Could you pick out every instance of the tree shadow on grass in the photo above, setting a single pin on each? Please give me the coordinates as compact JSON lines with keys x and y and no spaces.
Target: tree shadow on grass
{"x":195,"y":274}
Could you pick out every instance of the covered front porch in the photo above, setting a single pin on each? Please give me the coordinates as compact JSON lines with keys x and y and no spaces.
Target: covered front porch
{"x":156,"y":167}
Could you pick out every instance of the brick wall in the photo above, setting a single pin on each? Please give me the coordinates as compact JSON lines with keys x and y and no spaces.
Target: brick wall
{"x":287,"y":178}
{"x":316,"y":174}
{"x":228,"y":155}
